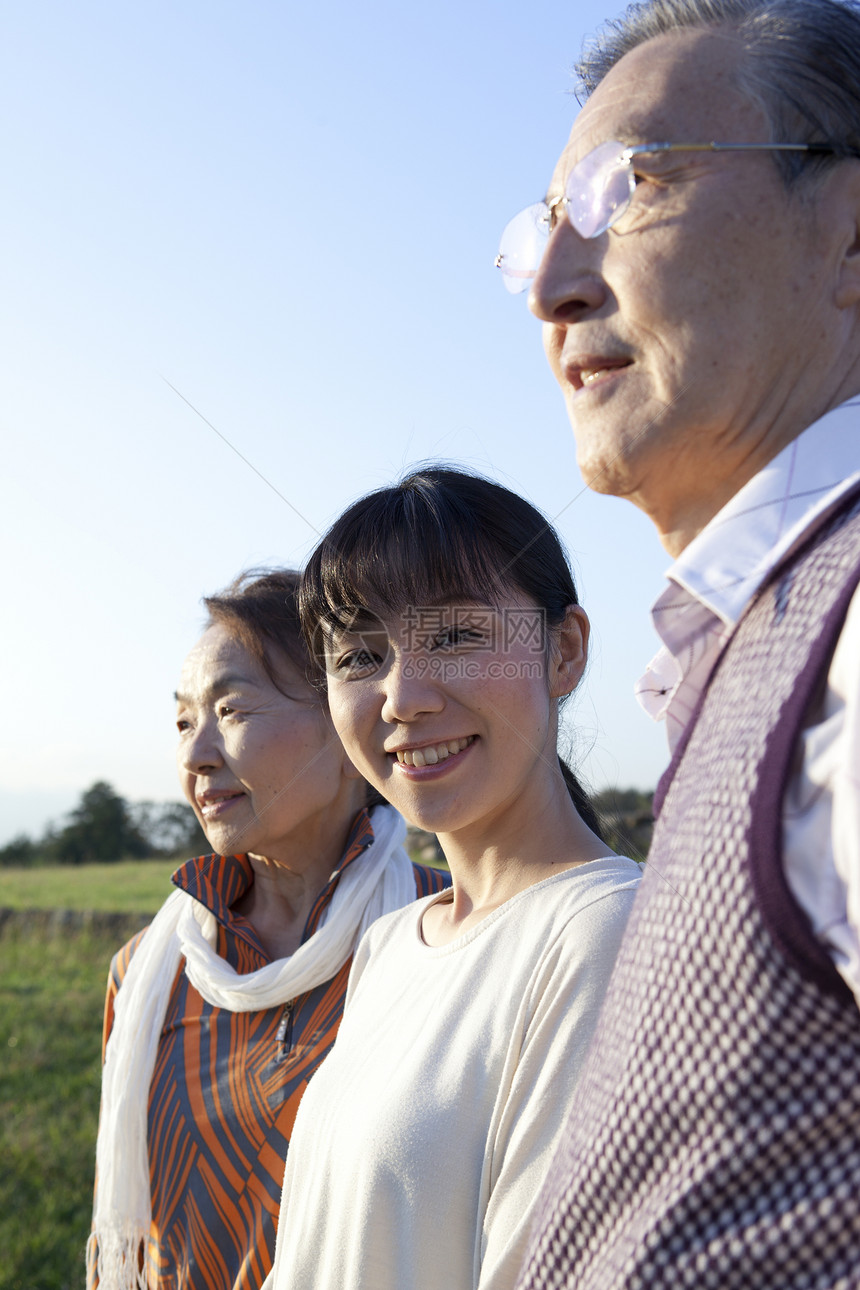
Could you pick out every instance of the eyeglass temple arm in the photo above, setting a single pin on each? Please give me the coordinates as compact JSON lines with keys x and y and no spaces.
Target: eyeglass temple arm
{"x":837,"y":148}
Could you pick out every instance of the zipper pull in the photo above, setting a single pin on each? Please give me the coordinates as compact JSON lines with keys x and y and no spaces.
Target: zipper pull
{"x":285,"y":1029}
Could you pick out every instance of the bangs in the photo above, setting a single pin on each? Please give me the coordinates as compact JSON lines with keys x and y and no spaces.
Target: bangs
{"x":399,"y":547}
{"x":441,"y":536}
{"x":259,"y":609}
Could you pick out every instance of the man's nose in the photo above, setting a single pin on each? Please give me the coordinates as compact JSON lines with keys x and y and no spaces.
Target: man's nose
{"x":568,"y":285}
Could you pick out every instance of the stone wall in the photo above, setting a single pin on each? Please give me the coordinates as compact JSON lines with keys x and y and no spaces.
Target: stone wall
{"x":66,"y":922}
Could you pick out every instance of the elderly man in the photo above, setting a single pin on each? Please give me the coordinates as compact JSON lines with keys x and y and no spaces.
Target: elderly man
{"x":700,"y":293}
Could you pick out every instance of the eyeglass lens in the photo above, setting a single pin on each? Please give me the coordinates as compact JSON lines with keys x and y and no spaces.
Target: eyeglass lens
{"x":599,"y":188}
{"x":596,"y":194}
{"x":522,"y":246}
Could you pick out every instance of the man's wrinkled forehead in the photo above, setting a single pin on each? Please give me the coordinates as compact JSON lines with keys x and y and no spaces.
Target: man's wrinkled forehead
{"x":613,"y":116}
{"x":677,"y":88}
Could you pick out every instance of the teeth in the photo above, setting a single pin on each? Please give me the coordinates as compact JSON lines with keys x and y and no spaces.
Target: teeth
{"x":212,"y":802}
{"x":434,"y":754}
{"x":588,"y":377}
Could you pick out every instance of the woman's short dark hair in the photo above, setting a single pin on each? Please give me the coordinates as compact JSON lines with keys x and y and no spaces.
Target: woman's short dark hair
{"x":260,"y":610}
{"x":440,"y":534}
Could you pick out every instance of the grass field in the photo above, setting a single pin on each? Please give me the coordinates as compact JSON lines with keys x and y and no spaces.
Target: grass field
{"x":132,"y":886}
{"x":51,"y":1000}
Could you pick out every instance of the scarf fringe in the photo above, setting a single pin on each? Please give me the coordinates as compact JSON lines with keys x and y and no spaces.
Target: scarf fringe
{"x":115,"y":1259}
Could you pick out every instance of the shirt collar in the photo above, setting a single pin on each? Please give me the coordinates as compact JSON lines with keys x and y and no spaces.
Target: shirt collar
{"x":729,"y":560}
{"x":715,"y":577}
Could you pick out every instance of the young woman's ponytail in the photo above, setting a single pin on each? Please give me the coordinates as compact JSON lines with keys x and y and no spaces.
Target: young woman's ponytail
{"x":580,"y":799}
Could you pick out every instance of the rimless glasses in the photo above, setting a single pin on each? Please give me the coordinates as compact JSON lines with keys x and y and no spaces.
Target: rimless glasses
{"x":596,"y":193}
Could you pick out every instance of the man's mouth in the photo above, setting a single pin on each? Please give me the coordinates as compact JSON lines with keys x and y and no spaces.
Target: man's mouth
{"x":588,"y":376}
{"x":431,"y":754}
{"x":583,"y":373}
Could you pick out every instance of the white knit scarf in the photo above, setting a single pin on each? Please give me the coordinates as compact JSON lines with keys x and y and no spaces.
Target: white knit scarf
{"x":379,"y":880}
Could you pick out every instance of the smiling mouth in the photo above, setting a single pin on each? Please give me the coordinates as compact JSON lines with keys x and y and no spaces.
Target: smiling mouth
{"x":208,"y":805}
{"x":433,"y":753}
{"x":581,"y":377}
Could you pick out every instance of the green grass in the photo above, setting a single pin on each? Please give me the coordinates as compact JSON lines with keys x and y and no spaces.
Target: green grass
{"x":130,"y":886}
{"x":51,"y":1002}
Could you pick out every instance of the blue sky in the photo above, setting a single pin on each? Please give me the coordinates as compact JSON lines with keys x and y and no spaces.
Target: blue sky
{"x":289,"y":214}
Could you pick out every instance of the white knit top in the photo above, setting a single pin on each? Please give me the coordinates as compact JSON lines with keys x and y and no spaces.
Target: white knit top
{"x":421,"y":1143}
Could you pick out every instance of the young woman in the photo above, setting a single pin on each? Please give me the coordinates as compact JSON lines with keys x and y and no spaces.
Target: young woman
{"x":448,"y":620}
{"x":219,"y":1014}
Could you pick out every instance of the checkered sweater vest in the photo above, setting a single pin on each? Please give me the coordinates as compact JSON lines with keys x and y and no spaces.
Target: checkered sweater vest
{"x":716,"y":1142}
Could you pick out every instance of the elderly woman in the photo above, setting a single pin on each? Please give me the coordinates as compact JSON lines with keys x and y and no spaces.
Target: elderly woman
{"x":219,"y":1013}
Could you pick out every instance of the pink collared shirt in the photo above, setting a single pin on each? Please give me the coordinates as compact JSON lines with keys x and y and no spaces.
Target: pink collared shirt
{"x":707,"y":590}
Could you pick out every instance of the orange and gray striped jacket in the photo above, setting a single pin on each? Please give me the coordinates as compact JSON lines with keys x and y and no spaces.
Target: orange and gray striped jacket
{"x":226,"y":1088}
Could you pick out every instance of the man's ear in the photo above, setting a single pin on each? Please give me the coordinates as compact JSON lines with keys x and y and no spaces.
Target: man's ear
{"x":569,"y":652}
{"x":842,"y":197}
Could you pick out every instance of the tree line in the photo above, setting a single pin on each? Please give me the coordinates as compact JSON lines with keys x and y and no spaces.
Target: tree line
{"x":626,"y":818}
{"x":104,"y":827}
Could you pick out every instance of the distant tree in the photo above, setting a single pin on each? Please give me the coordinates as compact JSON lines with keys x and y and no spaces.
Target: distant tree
{"x":627,"y":819}
{"x":100,"y":827}
{"x":170,"y":828}
{"x":105,"y":827}
{"x":20,"y":852}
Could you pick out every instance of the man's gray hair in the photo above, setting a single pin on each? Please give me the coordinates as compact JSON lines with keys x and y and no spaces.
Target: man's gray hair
{"x":802,"y":62}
